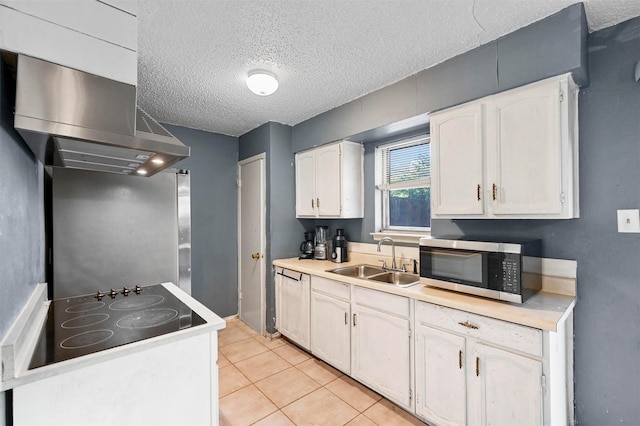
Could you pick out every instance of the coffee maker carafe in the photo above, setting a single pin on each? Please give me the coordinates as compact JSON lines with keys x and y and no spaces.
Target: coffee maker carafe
{"x":321,"y":251}
{"x":339,"y":251}
{"x":307,"y":246}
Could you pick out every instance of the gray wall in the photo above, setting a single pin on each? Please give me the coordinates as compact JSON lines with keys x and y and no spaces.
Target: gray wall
{"x":21,"y":219}
{"x":284,"y":232}
{"x":607,"y":314}
{"x":214,"y":247}
{"x":607,"y":343}
{"x":554,"y":45}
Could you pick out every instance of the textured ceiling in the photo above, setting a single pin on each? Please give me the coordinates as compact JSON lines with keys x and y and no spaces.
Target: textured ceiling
{"x":194,"y":55}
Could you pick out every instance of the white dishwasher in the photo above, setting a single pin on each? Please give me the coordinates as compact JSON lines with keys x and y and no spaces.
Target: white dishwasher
{"x":293,"y":295}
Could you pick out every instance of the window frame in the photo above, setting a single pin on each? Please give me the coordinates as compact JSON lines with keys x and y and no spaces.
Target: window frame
{"x":382,"y":189}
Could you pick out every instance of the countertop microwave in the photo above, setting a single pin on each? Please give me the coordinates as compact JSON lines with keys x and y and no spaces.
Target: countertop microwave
{"x":492,"y":268}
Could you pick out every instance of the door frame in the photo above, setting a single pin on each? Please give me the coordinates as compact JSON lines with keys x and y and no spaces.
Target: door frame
{"x":263,"y":244}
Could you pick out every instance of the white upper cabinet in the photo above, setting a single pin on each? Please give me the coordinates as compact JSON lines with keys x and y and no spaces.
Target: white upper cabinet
{"x":329,"y":181}
{"x":457,"y":160}
{"x":511,"y":155}
{"x":98,"y":37}
{"x":305,"y":184}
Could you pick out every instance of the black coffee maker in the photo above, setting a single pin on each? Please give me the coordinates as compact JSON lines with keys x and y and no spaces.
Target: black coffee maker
{"x":306,"y":247}
{"x":339,"y":250}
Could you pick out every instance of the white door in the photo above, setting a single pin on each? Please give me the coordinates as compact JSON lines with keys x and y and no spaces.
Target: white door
{"x":510,"y":388}
{"x":441,"y":386}
{"x":251,"y":242}
{"x":527,"y":156}
{"x":293,"y":306}
{"x":381,"y":358}
{"x":328,"y":180}
{"x":305,"y":184}
{"x":330,"y":332}
{"x":457,"y":153}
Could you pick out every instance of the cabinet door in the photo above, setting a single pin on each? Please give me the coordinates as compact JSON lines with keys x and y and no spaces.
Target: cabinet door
{"x":510,"y":388}
{"x":329,"y":180}
{"x":294,"y":308}
{"x":330,"y":331}
{"x":457,"y":157}
{"x":305,"y":184}
{"x":441,"y":387}
{"x":380,"y":353}
{"x":525,"y":158}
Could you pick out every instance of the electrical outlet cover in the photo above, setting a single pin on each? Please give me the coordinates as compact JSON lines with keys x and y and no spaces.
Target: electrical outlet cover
{"x":629,"y":220}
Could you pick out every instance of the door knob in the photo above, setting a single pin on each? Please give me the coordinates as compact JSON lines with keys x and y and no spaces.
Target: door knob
{"x":255,"y":256}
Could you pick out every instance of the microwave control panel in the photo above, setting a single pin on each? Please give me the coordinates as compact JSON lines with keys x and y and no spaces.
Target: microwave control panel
{"x":511,"y":274}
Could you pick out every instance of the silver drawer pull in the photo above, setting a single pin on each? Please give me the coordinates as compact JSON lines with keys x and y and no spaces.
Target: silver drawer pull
{"x":469,"y":325}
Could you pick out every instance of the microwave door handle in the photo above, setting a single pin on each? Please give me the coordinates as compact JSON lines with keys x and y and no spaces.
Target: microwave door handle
{"x":456,"y":254}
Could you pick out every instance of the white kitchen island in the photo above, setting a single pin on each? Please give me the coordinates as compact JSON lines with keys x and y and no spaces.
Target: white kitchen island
{"x":165,"y":380}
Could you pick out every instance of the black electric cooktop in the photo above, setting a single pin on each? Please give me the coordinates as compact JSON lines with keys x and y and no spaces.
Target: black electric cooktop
{"x":86,"y":324}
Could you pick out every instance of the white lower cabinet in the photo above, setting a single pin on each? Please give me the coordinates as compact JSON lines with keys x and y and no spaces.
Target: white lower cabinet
{"x":474,"y":370}
{"x":448,"y":366}
{"x":381,"y":343}
{"x":292,"y":305}
{"x":509,"y":387}
{"x":441,"y":384}
{"x":330,"y":314}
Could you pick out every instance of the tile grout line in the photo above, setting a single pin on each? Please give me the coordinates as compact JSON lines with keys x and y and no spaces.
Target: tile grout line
{"x":296,"y":366}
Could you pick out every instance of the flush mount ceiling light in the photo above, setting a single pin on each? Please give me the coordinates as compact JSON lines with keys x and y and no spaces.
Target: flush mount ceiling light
{"x":262,"y":83}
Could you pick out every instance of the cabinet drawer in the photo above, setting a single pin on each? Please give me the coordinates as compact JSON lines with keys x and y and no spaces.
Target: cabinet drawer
{"x":330,"y":287}
{"x":518,"y":337}
{"x":381,"y":301}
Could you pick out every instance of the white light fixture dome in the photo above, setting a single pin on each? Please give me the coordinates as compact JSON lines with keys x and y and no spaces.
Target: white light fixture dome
{"x":262,"y":83}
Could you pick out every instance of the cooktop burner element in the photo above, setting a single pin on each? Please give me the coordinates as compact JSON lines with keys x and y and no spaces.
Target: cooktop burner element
{"x":86,"y":339}
{"x":82,"y":325}
{"x":139,"y":302}
{"x":148,"y":318}
{"x":84,"y":307}
{"x":85,"y":321}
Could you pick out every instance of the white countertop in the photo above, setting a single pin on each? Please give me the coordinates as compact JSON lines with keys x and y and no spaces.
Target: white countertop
{"x":18,"y":345}
{"x":544,"y":310}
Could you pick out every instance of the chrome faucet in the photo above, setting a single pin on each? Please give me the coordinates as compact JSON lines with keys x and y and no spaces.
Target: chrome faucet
{"x":393,"y":254}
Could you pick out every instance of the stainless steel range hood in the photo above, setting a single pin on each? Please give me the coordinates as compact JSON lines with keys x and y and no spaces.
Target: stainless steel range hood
{"x":71,"y":118}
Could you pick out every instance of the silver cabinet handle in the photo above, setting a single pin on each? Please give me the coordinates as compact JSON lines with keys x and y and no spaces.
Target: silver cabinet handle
{"x":354,"y":320}
{"x":346,"y":318}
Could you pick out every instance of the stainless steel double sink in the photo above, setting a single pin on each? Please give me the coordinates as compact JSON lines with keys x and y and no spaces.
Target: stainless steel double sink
{"x":378,"y":274}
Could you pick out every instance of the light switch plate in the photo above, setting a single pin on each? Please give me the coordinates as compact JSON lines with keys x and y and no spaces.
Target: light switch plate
{"x":629,"y":220}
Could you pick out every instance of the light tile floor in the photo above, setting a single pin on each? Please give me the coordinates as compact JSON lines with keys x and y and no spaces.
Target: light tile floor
{"x":272,"y":382}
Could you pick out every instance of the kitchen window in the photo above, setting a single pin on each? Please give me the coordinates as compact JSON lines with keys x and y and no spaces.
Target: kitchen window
{"x":403,"y":185}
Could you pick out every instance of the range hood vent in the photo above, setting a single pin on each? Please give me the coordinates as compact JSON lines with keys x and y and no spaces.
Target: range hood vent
{"x":74,"y":119}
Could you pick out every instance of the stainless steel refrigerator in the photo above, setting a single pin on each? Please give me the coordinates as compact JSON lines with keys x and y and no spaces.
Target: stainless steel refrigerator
{"x":111,"y":231}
